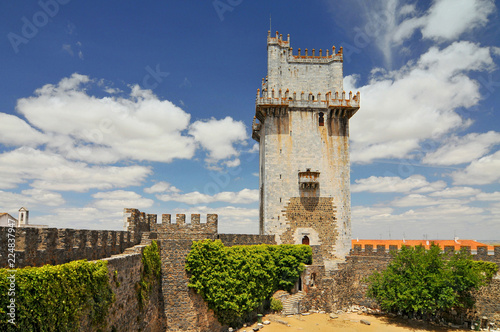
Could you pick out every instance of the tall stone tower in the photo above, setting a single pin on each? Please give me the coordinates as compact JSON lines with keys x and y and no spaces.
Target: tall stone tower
{"x":302,"y":125}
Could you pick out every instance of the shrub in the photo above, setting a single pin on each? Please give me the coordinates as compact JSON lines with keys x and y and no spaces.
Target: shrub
{"x":236,"y":280}
{"x":428,"y":281}
{"x":276,"y":305}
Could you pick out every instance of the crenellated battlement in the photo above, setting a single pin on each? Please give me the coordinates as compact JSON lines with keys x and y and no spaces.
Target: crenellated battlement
{"x":307,"y":99}
{"x":483,"y":253}
{"x":195,"y":225}
{"x":305,"y":57}
{"x":40,"y":246}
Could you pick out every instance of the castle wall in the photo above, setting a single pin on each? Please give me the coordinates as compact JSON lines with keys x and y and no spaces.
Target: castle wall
{"x":124,"y":314}
{"x":347,"y":285}
{"x":40,"y":246}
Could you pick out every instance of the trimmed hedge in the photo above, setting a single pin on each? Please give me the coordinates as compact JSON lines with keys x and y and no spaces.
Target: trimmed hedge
{"x":236,"y":280}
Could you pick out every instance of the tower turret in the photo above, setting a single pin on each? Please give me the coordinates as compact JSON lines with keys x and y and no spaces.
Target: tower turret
{"x":302,"y":125}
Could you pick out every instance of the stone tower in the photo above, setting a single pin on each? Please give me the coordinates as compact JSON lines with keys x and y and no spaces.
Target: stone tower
{"x":302,"y":125}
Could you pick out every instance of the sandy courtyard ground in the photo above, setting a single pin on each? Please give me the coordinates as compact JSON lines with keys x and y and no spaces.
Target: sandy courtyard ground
{"x":345,"y":323}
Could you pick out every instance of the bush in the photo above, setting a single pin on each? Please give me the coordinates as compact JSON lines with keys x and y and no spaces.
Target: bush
{"x":428,"y":281}
{"x":276,"y":305}
{"x":53,"y":298}
{"x":236,"y":280}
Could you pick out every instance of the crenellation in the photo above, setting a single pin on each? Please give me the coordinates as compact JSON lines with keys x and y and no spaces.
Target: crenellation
{"x":180,"y":219}
{"x":195,"y":219}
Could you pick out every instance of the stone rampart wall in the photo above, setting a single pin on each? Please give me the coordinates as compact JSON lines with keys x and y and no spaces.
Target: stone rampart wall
{"x":245,"y":239}
{"x":40,"y":246}
{"x":125,"y":314}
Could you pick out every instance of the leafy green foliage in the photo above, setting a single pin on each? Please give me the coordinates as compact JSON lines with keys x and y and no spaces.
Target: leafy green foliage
{"x":237,"y":280}
{"x":151,"y":272}
{"x":428,"y":281}
{"x":276,"y":304}
{"x":53,"y":298}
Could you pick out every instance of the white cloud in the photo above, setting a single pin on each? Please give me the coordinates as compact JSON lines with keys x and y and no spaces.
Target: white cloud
{"x":119,"y":199}
{"x":139,"y":127}
{"x":15,"y":131}
{"x":482,"y":171}
{"x":456,"y":192}
{"x":218,"y":138}
{"x":109,"y":129}
{"x":446,"y":20}
{"x":379,"y":184}
{"x":30,"y":198}
{"x":413,"y":200}
{"x":417,"y":102}
{"x":494,"y":196}
{"x":459,"y":150}
{"x":439,"y":221}
{"x":371,"y":212}
{"x":245,"y":196}
{"x":161,"y":187}
{"x":50,"y":171}
{"x":81,"y":218}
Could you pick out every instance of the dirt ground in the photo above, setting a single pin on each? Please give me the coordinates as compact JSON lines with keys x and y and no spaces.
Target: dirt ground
{"x":345,"y":323}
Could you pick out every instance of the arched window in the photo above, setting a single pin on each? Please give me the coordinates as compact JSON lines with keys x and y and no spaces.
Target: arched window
{"x":305,"y":240}
{"x":321,"y":119}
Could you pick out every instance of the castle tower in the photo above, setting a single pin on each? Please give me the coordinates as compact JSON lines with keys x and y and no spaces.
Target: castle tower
{"x":302,"y":125}
{"x":23,"y":216}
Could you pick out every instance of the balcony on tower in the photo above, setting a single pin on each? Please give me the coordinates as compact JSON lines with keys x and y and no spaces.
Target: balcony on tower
{"x":309,"y":183}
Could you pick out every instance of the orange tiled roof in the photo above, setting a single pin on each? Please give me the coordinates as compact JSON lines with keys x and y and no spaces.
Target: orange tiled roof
{"x":426,"y":243}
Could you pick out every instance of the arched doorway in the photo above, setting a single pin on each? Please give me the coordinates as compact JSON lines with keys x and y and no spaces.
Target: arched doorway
{"x":305,"y":240}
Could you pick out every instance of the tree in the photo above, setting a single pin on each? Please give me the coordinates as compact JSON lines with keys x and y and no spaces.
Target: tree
{"x":428,"y":281}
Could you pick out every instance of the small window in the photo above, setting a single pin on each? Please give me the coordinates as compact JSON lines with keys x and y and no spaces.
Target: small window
{"x":321,"y":119}
{"x":305,"y":240}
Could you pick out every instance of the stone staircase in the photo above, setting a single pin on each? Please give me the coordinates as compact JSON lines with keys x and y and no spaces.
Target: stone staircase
{"x":291,"y":304}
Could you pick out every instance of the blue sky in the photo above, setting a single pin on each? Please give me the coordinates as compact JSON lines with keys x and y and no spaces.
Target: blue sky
{"x":149,"y":104}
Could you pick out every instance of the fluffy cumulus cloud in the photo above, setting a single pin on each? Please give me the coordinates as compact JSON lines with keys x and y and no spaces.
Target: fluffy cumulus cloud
{"x":50,"y":171}
{"x":465,"y":149}
{"x":380,"y":184}
{"x":245,"y":196}
{"x":160,"y":187}
{"x":138,"y":126}
{"x":218,"y":138}
{"x":479,"y":172}
{"x":445,"y":19}
{"x":33,"y":198}
{"x":402,"y":108}
{"x":119,"y":199}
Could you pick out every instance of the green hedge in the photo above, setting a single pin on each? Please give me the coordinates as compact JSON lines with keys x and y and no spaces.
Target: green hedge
{"x":53,"y":298}
{"x":236,"y":280}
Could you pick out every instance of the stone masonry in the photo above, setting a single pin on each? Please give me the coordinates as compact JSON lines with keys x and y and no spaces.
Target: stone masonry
{"x":302,"y":126}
